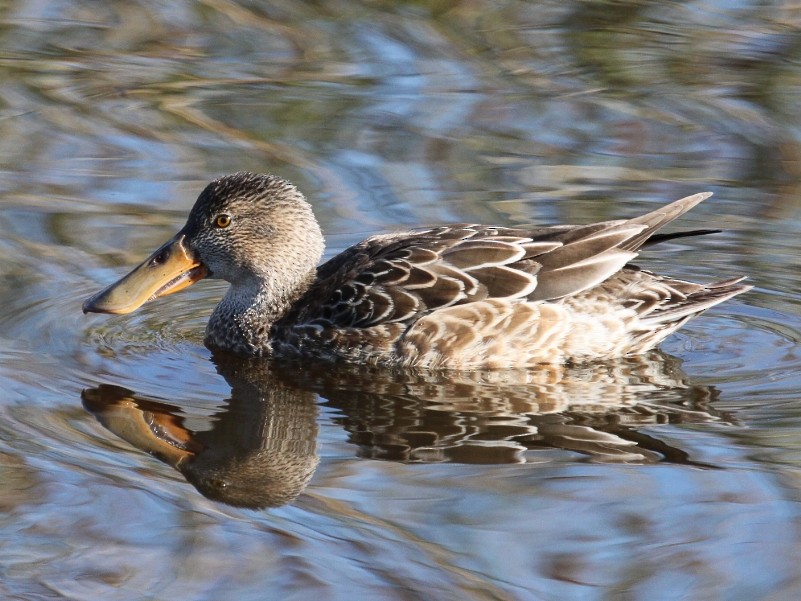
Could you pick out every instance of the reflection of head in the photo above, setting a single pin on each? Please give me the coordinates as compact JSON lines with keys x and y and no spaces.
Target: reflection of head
{"x":262,"y":478}
{"x":262,"y":451}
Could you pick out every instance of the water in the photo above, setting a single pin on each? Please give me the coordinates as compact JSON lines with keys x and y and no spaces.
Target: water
{"x":674,"y":476}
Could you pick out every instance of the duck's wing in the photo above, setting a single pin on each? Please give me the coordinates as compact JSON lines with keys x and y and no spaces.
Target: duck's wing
{"x":396,"y":278}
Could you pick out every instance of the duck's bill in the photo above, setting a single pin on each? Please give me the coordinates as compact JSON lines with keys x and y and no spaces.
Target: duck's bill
{"x":170,"y":269}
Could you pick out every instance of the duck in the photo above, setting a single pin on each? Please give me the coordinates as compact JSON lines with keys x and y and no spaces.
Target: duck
{"x":461,"y":296}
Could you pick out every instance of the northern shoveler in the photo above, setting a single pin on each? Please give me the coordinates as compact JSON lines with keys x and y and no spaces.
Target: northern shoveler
{"x":457,"y":296}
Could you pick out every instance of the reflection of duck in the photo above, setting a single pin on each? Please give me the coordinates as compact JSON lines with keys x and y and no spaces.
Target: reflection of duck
{"x":464,"y":296}
{"x":597,"y":410}
{"x":259,"y":449}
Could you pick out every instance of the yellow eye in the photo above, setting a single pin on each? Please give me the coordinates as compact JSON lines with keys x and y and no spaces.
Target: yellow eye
{"x":222,"y":220}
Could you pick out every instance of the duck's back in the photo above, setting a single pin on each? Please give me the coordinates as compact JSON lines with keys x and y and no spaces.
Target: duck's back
{"x":468,"y":296}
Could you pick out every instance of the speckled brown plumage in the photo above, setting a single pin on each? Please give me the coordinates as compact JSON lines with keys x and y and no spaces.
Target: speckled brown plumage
{"x":460,"y":296}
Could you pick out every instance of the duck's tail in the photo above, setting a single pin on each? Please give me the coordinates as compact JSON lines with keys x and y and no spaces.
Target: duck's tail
{"x":688,"y":301}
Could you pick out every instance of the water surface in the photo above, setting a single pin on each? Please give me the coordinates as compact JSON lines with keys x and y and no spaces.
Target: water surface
{"x":124,"y":442}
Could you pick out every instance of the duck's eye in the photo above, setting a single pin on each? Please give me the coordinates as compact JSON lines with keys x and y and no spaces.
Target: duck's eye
{"x":222,"y":220}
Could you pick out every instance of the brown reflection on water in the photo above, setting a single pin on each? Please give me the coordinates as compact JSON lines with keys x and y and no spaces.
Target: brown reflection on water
{"x":259,"y":449}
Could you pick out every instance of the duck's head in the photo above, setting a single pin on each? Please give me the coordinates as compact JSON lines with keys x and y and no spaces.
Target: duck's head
{"x":249,"y":229}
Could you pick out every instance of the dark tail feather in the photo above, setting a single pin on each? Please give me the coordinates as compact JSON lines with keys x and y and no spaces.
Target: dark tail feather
{"x":657,"y":238}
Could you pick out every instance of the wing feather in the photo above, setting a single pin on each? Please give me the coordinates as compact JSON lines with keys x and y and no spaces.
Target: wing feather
{"x":476,"y":254}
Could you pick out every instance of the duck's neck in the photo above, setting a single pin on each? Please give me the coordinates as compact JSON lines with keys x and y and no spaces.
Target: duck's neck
{"x":241,"y":323}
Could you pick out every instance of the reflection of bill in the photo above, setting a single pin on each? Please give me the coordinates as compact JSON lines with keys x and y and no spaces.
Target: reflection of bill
{"x":260,"y":448}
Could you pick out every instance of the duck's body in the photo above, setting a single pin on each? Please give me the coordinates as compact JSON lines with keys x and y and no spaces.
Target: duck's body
{"x":458,"y":297}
